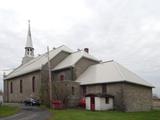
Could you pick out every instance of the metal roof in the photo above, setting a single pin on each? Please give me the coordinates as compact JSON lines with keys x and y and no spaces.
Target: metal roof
{"x":72,"y":59}
{"x":110,"y":72}
{"x":36,"y":63}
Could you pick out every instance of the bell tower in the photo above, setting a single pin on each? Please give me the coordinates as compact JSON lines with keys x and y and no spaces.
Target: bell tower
{"x":29,"y":50}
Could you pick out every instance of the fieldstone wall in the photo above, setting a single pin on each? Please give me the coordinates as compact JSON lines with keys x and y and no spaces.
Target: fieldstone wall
{"x":93,"y":89}
{"x":116,"y":89}
{"x":16,"y":96}
{"x":66,"y":72}
{"x":127,"y":97}
{"x":5,"y":94}
{"x":67,"y":88}
{"x":81,"y":66}
{"x":72,"y":73}
{"x":44,"y":92}
{"x":111,"y":89}
{"x":137,"y":98}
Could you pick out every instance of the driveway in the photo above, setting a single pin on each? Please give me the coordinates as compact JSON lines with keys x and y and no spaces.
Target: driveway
{"x":30,"y":113}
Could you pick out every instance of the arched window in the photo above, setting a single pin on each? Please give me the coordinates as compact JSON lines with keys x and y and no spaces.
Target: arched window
{"x":11,"y":87}
{"x":21,"y":86}
{"x":33,"y":84}
{"x":28,"y":51}
{"x":73,"y":91}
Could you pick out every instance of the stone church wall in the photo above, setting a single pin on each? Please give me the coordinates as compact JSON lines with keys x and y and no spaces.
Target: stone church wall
{"x":16,"y":95}
{"x":82,"y":65}
{"x":67,"y":88}
{"x":70,"y":75}
{"x":44,"y":75}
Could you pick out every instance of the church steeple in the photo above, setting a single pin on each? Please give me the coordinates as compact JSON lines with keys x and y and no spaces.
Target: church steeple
{"x":29,"y":38}
{"x":29,"y":50}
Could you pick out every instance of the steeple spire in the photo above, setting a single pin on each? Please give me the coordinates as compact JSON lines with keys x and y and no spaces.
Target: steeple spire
{"x":29,"y":37}
{"x":29,"y":50}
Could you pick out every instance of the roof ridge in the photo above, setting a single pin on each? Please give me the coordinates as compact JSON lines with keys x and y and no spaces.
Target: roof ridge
{"x":60,"y":46}
{"x":77,"y":51}
{"x":106,"y":61}
{"x":118,"y":69}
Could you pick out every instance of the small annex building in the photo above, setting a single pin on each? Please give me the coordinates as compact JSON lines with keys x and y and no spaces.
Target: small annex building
{"x":75,"y":75}
{"x":99,"y":102}
{"x":112,"y":78}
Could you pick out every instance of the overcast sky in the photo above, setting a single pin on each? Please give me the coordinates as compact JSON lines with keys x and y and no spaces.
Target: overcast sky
{"x":127,"y":31}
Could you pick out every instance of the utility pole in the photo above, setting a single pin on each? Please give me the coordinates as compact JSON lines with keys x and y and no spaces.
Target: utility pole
{"x":49,"y":80}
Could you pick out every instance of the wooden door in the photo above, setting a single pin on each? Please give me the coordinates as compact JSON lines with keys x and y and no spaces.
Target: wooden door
{"x":92,"y":103}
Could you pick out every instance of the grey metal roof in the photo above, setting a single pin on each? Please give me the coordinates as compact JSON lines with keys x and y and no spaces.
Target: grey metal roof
{"x":109,"y":72}
{"x":37,"y":62}
{"x":72,"y":59}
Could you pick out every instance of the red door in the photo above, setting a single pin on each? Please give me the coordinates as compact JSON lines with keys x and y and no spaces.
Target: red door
{"x":92,"y":102}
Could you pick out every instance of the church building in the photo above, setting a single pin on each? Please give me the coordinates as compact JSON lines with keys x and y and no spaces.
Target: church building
{"x":75,"y":75}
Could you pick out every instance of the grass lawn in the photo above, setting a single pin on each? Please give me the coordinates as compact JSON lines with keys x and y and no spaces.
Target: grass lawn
{"x":8,"y":110}
{"x":75,"y":114}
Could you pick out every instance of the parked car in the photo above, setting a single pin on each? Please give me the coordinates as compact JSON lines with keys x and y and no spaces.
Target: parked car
{"x":32,"y":102}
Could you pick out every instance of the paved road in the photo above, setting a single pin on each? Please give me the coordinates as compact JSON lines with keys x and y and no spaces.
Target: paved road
{"x":30,"y":113}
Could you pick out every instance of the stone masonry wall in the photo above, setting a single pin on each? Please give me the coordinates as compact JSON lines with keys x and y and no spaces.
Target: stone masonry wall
{"x":111,"y":89}
{"x":16,"y":96}
{"x":72,"y":73}
{"x":70,"y":76}
{"x":44,"y":73}
{"x":5,"y":96}
{"x":137,"y":98}
{"x":81,"y":66}
{"x":66,"y":72}
{"x":127,"y":97}
{"x":67,"y":88}
{"x":116,"y":89}
{"x":93,"y":89}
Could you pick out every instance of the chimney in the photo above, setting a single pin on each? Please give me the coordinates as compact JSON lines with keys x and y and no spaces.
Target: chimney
{"x":86,"y":50}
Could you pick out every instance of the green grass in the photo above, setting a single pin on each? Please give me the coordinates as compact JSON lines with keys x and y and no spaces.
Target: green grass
{"x":8,"y":110}
{"x":75,"y":114}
